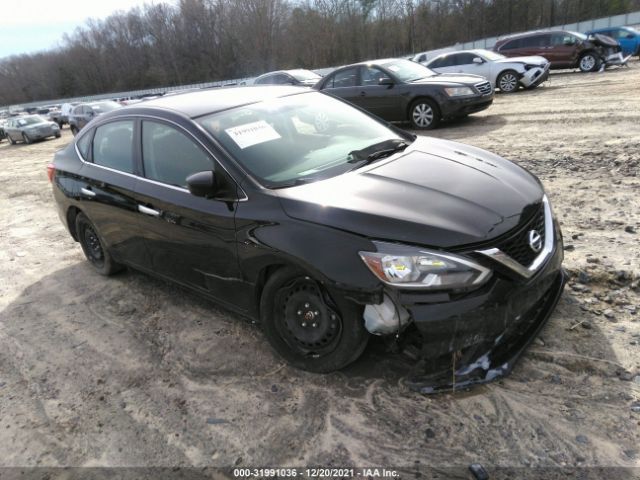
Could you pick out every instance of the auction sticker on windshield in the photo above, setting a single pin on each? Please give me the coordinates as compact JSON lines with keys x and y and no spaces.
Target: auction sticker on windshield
{"x":253,"y":133}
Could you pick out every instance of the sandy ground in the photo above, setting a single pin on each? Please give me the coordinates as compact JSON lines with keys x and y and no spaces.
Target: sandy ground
{"x":131,"y":371}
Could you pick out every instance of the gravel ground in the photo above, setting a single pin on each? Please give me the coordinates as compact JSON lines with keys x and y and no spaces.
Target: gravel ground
{"x":132,"y":371}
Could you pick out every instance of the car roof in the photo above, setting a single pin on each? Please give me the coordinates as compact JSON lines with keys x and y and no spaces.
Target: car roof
{"x":203,"y":102}
{"x":532,"y":32}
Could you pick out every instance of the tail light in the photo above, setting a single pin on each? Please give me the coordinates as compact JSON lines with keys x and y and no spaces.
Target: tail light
{"x":51,"y":171}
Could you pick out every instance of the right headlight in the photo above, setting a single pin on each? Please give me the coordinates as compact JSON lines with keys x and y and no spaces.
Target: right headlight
{"x":458,"y":91}
{"x":410,"y":267}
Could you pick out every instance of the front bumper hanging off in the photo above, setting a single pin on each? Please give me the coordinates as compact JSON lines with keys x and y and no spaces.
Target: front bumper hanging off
{"x":479,"y":337}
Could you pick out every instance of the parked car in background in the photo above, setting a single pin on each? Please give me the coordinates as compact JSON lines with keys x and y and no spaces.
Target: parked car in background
{"x":507,"y":74}
{"x":401,"y":90}
{"x":85,"y":112}
{"x":62,"y":117}
{"x":564,"y":49}
{"x":2,"y":124}
{"x":29,"y":128}
{"x":323,"y":238}
{"x":302,"y":77}
{"x":627,"y":37}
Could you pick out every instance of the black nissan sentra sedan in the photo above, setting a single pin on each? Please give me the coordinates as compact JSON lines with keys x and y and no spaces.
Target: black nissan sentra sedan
{"x":325,"y":232}
{"x":400,"y":90}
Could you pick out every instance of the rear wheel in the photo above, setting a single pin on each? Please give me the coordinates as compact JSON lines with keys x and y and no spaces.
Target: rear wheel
{"x":58,"y":135}
{"x":26,"y":139}
{"x":93,"y":247}
{"x":424,"y":114}
{"x":508,"y":81}
{"x":306,"y":327}
{"x":11,"y":140}
{"x":588,"y":62}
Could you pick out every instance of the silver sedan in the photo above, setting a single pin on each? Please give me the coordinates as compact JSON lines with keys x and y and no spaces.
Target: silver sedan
{"x":29,"y":128}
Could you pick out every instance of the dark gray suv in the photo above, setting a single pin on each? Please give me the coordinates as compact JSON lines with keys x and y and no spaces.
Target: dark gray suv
{"x":85,"y":112}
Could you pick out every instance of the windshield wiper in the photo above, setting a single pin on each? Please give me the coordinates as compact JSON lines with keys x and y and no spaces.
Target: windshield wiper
{"x":377,"y":151}
{"x":295,"y":182}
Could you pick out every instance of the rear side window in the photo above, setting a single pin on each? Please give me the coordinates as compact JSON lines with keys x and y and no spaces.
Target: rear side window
{"x":169,"y":156}
{"x":83,"y":145}
{"x":113,"y":146}
{"x":512,"y":45}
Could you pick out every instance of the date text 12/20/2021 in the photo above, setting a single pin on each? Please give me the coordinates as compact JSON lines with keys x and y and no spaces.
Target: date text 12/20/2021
{"x":316,"y":472}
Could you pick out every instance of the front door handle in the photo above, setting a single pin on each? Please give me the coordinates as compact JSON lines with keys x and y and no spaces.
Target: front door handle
{"x":363,"y":94}
{"x":87,"y":192}
{"x":148,"y":211}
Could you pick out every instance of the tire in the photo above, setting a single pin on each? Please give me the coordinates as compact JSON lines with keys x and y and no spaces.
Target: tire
{"x":589,"y":62}
{"x":508,"y":81}
{"x":74,"y":130}
{"x":424,"y":114}
{"x":308,"y":328}
{"x":93,"y":247}
{"x":60,"y":124}
{"x":58,"y":135}
{"x":26,"y":139}
{"x":11,"y":140}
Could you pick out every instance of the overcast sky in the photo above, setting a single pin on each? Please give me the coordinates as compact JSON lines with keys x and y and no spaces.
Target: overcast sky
{"x":28,"y":26}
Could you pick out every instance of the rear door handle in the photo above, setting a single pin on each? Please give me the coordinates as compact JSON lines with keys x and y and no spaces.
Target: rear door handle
{"x":148,"y":211}
{"x":87,"y":192}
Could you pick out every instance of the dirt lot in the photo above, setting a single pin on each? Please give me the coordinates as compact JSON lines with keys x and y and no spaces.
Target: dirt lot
{"x":130,"y":371}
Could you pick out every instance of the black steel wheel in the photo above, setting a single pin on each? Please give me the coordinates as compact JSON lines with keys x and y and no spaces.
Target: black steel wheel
{"x":306,"y":327}
{"x":93,"y":247}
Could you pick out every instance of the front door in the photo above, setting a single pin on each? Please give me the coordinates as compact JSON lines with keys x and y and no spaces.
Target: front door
{"x":190,"y":239}
{"x":381,"y":100}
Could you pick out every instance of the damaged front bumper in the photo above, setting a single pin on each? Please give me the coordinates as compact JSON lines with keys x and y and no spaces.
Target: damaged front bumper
{"x":479,"y":336}
{"x":535,"y":76}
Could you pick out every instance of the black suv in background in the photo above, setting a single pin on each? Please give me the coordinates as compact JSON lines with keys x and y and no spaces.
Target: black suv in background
{"x":83,"y":113}
{"x":399,"y":90}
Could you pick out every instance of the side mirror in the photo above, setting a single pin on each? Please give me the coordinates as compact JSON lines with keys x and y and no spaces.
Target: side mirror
{"x":478,"y":60}
{"x":386,"y":81}
{"x":202,"y":184}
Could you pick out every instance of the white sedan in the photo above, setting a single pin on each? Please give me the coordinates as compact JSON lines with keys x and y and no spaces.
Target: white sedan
{"x":507,"y":74}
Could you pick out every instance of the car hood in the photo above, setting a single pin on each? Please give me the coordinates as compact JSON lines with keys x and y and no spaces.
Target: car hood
{"x":532,"y":60}
{"x":436,"y":193}
{"x":459,"y":78}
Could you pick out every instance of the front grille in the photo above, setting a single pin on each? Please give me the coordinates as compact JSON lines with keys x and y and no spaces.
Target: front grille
{"x":517,"y":246}
{"x":484,"y":87}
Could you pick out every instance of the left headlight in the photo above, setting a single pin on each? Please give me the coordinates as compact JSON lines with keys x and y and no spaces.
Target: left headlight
{"x":410,"y":267}
{"x":458,"y":91}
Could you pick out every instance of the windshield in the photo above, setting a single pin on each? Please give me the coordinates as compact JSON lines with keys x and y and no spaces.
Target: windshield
{"x":406,"y":70}
{"x":30,"y":120}
{"x":581,"y":36}
{"x":303,"y":75}
{"x":104,"y":106}
{"x":491,"y":56}
{"x":296,"y":139}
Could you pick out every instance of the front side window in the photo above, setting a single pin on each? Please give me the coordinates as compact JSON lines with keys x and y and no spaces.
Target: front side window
{"x":296,"y":139}
{"x":113,"y":146}
{"x":344,"y":78}
{"x":372,"y":76}
{"x":169,"y":156}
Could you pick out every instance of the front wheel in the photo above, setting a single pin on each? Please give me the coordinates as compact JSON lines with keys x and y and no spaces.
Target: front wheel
{"x":11,"y":140}
{"x":93,"y":247}
{"x":306,"y":327}
{"x":588,"y":62}
{"x":508,"y":81}
{"x":424,"y":114}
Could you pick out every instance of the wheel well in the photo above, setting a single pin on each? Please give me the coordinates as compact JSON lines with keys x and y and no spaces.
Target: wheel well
{"x":263,"y":277}
{"x":424,"y":97}
{"x":72,"y":213}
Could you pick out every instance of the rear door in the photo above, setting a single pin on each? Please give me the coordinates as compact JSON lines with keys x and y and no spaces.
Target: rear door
{"x":190,"y":239}
{"x":106,"y":187}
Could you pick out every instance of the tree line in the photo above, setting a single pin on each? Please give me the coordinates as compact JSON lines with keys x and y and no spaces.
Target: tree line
{"x":195,"y":41}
